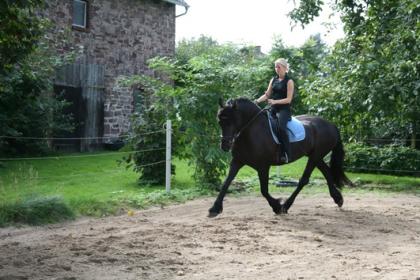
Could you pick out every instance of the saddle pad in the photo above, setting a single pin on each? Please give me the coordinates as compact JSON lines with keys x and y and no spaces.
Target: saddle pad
{"x":295,"y":130}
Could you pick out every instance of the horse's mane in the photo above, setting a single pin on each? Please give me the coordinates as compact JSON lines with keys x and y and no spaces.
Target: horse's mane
{"x":246,"y":105}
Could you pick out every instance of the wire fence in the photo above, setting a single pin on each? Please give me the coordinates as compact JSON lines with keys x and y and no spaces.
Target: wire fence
{"x":32,"y":176}
{"x":181,"y":131}
{"x":81,"y":156}
{"x":358,"y":169}
{"x":79,"y":138}
{"x":391,"y":140}
{"x":354,"y":169}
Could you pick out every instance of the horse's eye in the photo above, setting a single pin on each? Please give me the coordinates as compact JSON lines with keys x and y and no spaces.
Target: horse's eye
{"x":223,"y":120}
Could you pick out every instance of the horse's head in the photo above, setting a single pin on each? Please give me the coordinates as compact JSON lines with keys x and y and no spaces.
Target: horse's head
{"x":234,"y":118}
{"x":228,"y":121}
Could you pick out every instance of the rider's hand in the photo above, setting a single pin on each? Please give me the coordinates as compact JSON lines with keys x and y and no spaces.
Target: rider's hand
{"x":256,"y":101}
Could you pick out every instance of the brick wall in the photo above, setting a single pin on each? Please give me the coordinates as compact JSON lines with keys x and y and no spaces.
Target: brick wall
{"x":121,"y":36}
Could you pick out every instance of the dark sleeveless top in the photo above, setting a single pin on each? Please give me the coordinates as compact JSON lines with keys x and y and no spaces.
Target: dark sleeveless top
{"x":280,"y":92}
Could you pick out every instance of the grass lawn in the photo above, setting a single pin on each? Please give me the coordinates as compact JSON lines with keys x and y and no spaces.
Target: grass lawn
{"x":95,"y":184}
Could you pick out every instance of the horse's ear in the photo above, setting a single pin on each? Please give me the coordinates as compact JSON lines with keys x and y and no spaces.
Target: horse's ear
{"x":231,"y":103}
{"x":221,"y":102}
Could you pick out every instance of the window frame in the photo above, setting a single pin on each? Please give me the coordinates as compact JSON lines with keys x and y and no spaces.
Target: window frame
{"x":86,"y":16}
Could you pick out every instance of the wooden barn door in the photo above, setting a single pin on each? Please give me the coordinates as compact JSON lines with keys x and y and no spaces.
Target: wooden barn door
{"x":82,"y":85}
{"x":92,"y":83}
{"x":70,"y":140}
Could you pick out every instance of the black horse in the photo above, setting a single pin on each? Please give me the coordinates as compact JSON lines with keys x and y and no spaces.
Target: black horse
{"x":245,"y":130}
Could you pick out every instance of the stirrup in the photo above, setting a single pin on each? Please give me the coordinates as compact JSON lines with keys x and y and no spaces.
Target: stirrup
{"x":284,"y":158}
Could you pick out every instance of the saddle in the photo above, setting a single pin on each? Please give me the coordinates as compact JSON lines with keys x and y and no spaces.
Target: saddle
{"x":295,"y":129}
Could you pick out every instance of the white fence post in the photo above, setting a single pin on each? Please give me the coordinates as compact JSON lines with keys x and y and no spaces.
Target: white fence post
{"x":168,"y":156}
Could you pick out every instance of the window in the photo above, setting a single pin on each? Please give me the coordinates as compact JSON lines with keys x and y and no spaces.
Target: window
{"x":80,"y":14}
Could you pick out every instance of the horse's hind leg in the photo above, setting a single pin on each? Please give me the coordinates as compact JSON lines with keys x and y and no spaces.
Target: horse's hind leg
{"x":263,"y":176}
{"x":310,"y":165}
{"x":334,"y":192}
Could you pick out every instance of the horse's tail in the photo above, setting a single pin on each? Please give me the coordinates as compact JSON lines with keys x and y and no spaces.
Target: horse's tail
{"x":336,"y":165}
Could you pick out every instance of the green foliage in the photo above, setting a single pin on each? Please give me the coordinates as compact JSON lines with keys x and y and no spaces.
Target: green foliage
{"x":89,"y":184}
{"x":370,"y":83}
{"x":307,"y":11}
{"x":305,"y":64}
{"x":221,"y":71}
{"x":390,"y":159}
{"x":148,"y":136}
{"x":187,"y":49}
{"x":200,"y":77}
{"x":202,"y":72}
{"x":92,"y":206}
{"x":35,"y":211}
{"x":28,"y":60}
{"x":94,"y":184}
{"x":20,"y":30}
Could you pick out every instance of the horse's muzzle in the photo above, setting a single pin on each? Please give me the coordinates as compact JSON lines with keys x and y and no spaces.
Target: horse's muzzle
{"x":226,"y":142}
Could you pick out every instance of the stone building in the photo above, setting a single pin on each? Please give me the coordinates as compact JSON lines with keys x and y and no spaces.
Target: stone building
{"x":113,"y":38}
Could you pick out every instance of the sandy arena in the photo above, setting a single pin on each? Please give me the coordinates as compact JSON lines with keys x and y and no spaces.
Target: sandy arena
{"x":374,"y":236}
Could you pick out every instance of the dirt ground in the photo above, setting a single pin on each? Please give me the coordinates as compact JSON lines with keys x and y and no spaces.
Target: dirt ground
{"x":374,"y":236}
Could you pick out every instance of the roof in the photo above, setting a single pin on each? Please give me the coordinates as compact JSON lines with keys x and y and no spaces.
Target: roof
{"x":178,"y":2}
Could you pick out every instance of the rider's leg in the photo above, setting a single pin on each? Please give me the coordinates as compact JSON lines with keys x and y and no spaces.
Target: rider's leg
{"x":283,"y":116}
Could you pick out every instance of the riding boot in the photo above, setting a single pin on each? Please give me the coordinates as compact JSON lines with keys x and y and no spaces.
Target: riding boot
{"x":284,"y":138}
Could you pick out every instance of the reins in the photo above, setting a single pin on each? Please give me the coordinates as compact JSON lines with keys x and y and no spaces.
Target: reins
{"x":249,"y":122}
{"x":236,"y":136}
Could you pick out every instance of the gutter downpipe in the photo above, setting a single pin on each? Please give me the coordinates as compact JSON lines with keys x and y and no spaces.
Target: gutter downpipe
{"x":184,"y":13}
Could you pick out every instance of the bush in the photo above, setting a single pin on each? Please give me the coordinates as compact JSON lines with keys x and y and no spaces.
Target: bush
{"x":190,"y":100}
{"x":389,"y":159}
{"x":28,"y":59}
{"x":147,"y":136}
{"x":35,"y":211}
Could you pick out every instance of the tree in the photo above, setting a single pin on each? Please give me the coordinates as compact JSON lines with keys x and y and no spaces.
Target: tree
{"x":202,"y":72}
{"x":199,"y":79}
{"x":27,"y":64}
{"x":20,"y":31}
{"x":372,"y":76}
{"x":305,"y":66}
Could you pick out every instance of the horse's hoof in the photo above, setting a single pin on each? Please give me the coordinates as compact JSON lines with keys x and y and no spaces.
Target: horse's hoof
{"x":277,"y":208}
{"x":212,"y":214}
{"x":283,"y":210}
{"x":214,"y":211}
{"x":340,"y":203}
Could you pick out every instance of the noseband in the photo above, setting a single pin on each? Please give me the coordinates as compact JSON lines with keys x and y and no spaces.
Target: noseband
{"x":231,"y":139}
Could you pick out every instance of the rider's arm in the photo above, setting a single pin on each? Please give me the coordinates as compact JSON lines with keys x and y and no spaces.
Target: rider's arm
{"x":267,"y":93}
{"x":288,"y":99}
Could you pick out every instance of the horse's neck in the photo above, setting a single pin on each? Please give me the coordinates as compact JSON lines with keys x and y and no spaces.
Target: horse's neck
{"x":250,"y":118}
{"x":248,"y":114}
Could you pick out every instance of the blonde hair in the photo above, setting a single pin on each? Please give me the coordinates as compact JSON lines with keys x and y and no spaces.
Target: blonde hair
{"x":283,"y":62}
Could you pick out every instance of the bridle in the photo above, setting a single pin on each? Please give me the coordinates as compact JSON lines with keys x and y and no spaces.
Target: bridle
{"x":231,"y":139}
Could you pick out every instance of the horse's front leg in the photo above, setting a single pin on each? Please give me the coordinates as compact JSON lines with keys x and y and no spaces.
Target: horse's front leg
{"x":263,"y":174}
{"x":217,"y":207}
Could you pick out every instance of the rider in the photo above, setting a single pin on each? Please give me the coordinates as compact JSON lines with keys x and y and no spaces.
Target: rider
{"x":279,"y":95}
